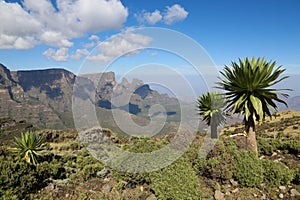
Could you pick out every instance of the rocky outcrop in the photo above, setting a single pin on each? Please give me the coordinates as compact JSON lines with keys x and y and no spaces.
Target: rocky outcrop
{"x":44,"y":97}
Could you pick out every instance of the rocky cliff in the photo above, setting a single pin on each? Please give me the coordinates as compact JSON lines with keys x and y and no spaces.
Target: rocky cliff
{"x":44,"y":97}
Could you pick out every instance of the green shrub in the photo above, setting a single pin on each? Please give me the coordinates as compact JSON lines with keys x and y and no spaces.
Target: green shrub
{"x":3,"y":151}
{"x":90,"y":171}
{"x":177,"y":181}
{"x":220,"y":162}
{"x":144,"y":145}
{"x":18,"y":178}
{"x":292,"y":146}
{"x":296,"y":179}
{"x":139,"y":145}
{"x":267,"y":146}
{"x":248,"y":169}
{"x":223,"y":171}
{"x":54,"y":169}
{"x":84,"y":158}
{"x":200,"y":166}
{"x":85,"y":165}
{"x":76,"y":146}
{"x":276,"y":173}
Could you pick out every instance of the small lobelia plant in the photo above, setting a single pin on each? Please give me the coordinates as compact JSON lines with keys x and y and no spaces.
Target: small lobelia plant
{"x":28,"y":146}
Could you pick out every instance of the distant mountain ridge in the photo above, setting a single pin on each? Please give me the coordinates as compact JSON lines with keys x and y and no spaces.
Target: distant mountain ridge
{"x":44,"y":97}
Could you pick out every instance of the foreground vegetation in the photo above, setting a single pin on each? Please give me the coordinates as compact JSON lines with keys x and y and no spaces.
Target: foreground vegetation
{"x":66,"y":170}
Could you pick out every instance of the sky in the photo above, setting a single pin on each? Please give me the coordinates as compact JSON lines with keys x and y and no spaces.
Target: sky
{"x":69,"y":34}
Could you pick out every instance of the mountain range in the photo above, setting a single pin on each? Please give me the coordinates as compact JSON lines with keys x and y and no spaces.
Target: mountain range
{"x":44,"y":97}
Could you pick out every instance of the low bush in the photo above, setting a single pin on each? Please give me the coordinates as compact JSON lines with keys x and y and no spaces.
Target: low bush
{"x":18,"y":178}
{"x":85,"y":165}
{"x":138,"y":145}
{"x":267,"y":146}
{"x":248,"y":169}
{"x":177,"y":181}
{"x":55,"y":169}
{"x":291,"y":146}
{"x":219,"y":164}
{"x":296,"y":179}
{"x":276,"y":173}
{"x":89,"y":171}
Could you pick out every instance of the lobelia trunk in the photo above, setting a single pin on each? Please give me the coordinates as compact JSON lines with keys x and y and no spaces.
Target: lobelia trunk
{"x":214,"y":127}
{"x":213,"y":131}
{"x":251,"y":136}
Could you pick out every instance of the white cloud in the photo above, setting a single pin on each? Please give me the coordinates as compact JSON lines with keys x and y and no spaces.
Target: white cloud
{"x":60,"y":55}
{"x":17,"y":27}
{"x":174,"y":14}
{"x":94,"y":38}
{"x":148,"y":17}
{"x":79,"y":53}
{"x":16,"y":42}
{"x":124,"y":44}
{"x":56,"y":39}
{"x":36,"y":22}
{"x":94,"y":41}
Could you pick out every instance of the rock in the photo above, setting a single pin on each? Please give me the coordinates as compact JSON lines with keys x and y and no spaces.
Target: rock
{"x":217,"y":186}
{"x":233,"y":182}
{"x":235,"y":190}
{"x":282,"y":187}
{"x":103,"y":173}
{"x":67,"y":195}
{"x":219,"y":195}
{"x":151,"y":197}
{"x":227,"y":193}
{"x":107,"y":179}
{"x":274,"y":154}
{"x":107,"y":187}
{"x":255,"y":195}
{"x":262,"y":157}
{"x":294,"y":192}
{"x":264,"y":196}
{"x":131,"y":185}
{"x":61,"y":182}
{"x":280,"y":196}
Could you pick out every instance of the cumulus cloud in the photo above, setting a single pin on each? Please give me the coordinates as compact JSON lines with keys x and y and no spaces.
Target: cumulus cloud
{"x":94,"y":41}
{"x":171,"y":15}
{"x":174,"y":14}
{"x":60,"y":55}
{"x":148,"y":17}
{"x":36,"y":22}
{"x":79,"y":53}
{"x":94,"y":38}
{"x":16,"y":42}
{"x":124,"y":44}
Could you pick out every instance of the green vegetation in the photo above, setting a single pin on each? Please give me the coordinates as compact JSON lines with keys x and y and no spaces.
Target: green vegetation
{"x":210,"y":106}
{"x":29,"y":145}
{"x":248,"y":90}
{"x":228,"y":162}
{"x":248,"y":169}
{"x":71,"y":171}
{"x":177,"y":181}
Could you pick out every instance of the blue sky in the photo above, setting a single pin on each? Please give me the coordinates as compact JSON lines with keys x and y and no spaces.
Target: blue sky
{"x":39,"y":34}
